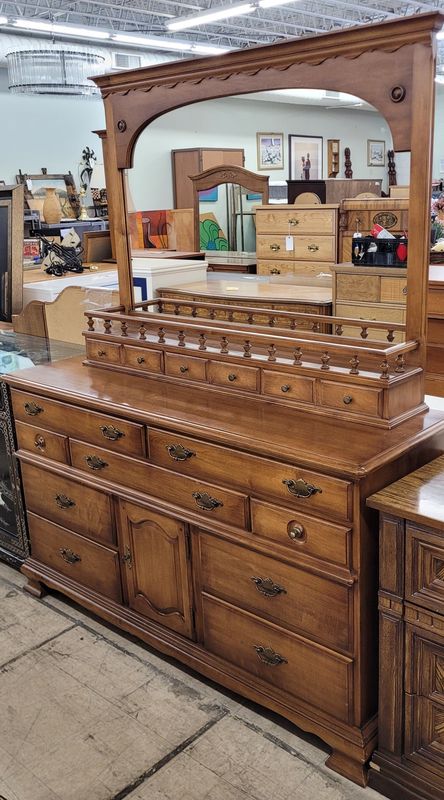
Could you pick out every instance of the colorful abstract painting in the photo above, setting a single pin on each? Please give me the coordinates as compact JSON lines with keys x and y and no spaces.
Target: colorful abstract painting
{"x":212,"y":236}
{"x":148,"y":229}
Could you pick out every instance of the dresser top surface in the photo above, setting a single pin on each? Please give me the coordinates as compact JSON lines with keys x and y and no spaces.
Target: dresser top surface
{"x":253,"y":290}
{"x":418,"y":497}
{"x":338,"y":446}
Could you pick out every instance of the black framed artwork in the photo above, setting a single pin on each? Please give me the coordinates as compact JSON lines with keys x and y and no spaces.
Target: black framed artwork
{"x":305,"y":157}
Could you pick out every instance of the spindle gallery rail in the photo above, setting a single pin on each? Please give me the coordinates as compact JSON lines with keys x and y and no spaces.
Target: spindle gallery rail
{"x":305,"y":350}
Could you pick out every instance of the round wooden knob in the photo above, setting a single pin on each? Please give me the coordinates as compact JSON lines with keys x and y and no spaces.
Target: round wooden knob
{"x":183,"y":369}
{"x":286,"y":387}
{"x":232,"y":377}
{"x":141,"y":360}
{"x":347,"y":399}
{"x":295,"y":531}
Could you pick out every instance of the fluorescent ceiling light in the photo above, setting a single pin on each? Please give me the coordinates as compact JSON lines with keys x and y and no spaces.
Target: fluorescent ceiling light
{"x":209,"y":50}
{"x":66,"y":30}
{"x":223,"y":12}
{"x":169,"y":44}
{"x":271,"y":3}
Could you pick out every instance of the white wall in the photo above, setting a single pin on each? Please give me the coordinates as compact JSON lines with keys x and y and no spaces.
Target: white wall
{"x":233,"y":122}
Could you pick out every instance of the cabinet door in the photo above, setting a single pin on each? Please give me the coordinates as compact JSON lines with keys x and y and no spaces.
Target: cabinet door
{"x":157,"y":569}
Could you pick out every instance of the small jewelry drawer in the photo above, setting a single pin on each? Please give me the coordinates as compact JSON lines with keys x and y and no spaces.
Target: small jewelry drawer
{"x":86,"y":562}
{"x":424,"y":572}
{"x":192,"y":369}
{"x":302,"y":534}
{"x":283,"y":660}
{"x":350,"y":398}
{"x":287,"y":386}
{"x":106,"y":352}
{"x":298,"y":600}
{"x":68,"y":503}
{"x":45,"y":443}
{"x":118,"y":434}
{"x":142,"y":358}
{"x":234,"y":376}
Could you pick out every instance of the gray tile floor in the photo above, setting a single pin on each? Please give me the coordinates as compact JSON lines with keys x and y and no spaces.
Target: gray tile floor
{"x":88,"y":714}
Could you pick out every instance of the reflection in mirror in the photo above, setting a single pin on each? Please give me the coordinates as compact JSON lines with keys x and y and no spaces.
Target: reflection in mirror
{"x":227,"y":218}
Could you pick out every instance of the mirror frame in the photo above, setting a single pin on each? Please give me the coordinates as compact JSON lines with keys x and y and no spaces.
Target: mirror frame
{"x":390,"y":65}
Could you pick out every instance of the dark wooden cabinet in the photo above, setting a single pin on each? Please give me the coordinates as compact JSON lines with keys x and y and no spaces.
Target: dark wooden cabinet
{"x":333,"y":190}
{"x":409,"y":762}
{"x":191,"y":161}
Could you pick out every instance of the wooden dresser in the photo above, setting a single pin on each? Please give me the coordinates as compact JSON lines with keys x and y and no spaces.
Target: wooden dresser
{"x":370,"y":293}
{"x":435,"y":332}
{"x":361,"y":215}
{"x":314,"y":239}
{"x":409,"y":762}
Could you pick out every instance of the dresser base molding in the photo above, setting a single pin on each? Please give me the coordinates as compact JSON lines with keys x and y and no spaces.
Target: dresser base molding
{"x":397,"y":781}
{"x":351,"y":746}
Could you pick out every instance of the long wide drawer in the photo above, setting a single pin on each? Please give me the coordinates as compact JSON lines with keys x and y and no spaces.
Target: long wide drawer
{"x":284,"y":660}
{"x":296,"y":220}
{"x":307,"y":490}
{"x":117,"y":434}
{"x":202,"y":497}
{"x":67,"y":502}
{"x":284,"y":594}
{"x":89,"y":563}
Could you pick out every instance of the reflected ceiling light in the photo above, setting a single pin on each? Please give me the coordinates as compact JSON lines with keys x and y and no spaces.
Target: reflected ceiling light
{"x":169,"y":44}
{"x":66,"y":30}
{"x":3,"y":20}
{"x":223,"y":12}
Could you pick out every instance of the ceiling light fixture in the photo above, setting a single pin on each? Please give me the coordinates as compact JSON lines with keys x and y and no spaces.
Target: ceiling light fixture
{"x":65,"y":30}
{"x":223,"y":12}
{"x":3,"y":20}
{"x":170,"y":44}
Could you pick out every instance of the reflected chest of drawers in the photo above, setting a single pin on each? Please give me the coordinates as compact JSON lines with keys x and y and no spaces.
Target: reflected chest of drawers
{"x":409,"y":762}
{"x":230,"y":535}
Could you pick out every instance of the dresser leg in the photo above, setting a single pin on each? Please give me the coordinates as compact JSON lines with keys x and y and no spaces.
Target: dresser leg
{"x":356,"y":771}
{"x":35,"y":588}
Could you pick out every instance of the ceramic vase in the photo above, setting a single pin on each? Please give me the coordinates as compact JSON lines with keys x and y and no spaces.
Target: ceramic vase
{"x":52,"y":210}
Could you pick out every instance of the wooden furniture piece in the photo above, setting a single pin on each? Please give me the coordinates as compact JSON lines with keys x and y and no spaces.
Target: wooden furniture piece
{"x":435,"y":332}
{"x":202,"y":483}
{"x":307,"y":198}
{"x":193,"y":160}
{"x":11,"y":251}
{"x":333,"y":190}
{"x":231,"y":261}
{"x":218,"y":299}
{"x":333,"y":155}
{"x":313,"y":231}
{"x":409,"y":761}
{"x":180,"y":228}
{"x":361,"y":215}
{"x":97,"y":246}
{"x":370,"y":293}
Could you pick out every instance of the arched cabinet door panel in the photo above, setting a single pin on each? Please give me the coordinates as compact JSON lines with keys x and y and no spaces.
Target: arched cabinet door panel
{"x":155,"y":559}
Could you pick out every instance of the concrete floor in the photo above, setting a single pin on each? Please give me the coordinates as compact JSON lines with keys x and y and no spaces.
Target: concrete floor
{"x":89,"y":714}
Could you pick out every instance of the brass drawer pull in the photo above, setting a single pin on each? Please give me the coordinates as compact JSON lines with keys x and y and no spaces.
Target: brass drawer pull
{"x":140,"y":360}
{"x":206,"y":502}
{"x":267,"y":587}
{"x":94,"y":462}
{"x":313,"y":248}
{"x":296,"y":531}
{"x":269,"y":656}
{"x":110,"y":432}
{"x":275,"y":271}
{"x":39,"y":442}
{"x":179,"y":453}
{"x":32,"y":409}
{"x":293,"y":221}
{"x":347,"y":399}
{"x":183,"y":369}
{"x":63,"y":501}
{"x":286,"y":387}
{"x":101,"y":352}
{"x":404,"y":291}
{"x":275,"y":247}
{"x":232,"y":377}
{"x":301,"y":488}
{"x":69,"y":556}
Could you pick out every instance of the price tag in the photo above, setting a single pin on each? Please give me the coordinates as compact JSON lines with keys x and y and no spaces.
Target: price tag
{"x":29,"y":184}
{"x":289,"y":242}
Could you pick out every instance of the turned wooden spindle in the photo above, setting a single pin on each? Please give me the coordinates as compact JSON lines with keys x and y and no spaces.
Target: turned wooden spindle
{"x":161,"y":335}
{"x":230,"y":316}
{"x":177,"y":309}
{"x":325,"y":359}
{"x":247,"y":348}
{"x":385,"y":370}
{"x":107,"y":324}
{"x":142,"y":331}
{"x":181,"y":337}
{"x":315,"y":327}
{"x":293,"y":324}
{"x":400,"y":363}
{"x":202,"y":342}
{"x":272,"y":322}
{"x":90,"y":323}
{"x":364,"y":331}
{"x":212,"y":313}
{"x":339,"y":330}
{"x":224,"y":345}
{"x":160,"y":306}
{"x":272,"y":352}
{"x":297,"y":357}
{"x":390,"y":335}
{"x":194,"y":311}
{"x":124,"y":328}
{"x":354,"y":362}
{"x":250,"y":319}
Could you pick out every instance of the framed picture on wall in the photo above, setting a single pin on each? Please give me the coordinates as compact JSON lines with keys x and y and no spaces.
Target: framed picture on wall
{"x":375,"y":153}
{"x":270,"y":150}
{"x":305,"y":157}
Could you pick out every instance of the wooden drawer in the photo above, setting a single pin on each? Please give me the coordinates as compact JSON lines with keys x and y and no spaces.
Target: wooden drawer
{"x":423,"y":746}
{"x":45,"y":443}
{"x":424,"y":573}
{"x":266,"y":266}
{"x":375,"y":312}
{"x":285,"y":661}
{"x":258,"y":476}
{"x":118,"y":434}
{"x":68,"y":503}
{"x":233,"y":376}
{"x":393,"y":290}
{"x":107,"y":352}
{"x":88,"y":563}
{"x":358,"y":287}
{"x":273,"y":246}
{"x":296,"y":221}
{"x":288,"y":386}
{"x":314,"y":248}
{"x":177,"y":489}
{"x":425,"y":663}
{"x":305,"y":603}
{"x":192,"y":369}
{"x":351,"y":398}
{"x":302,"y":534}
{"x":142,"y":358}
